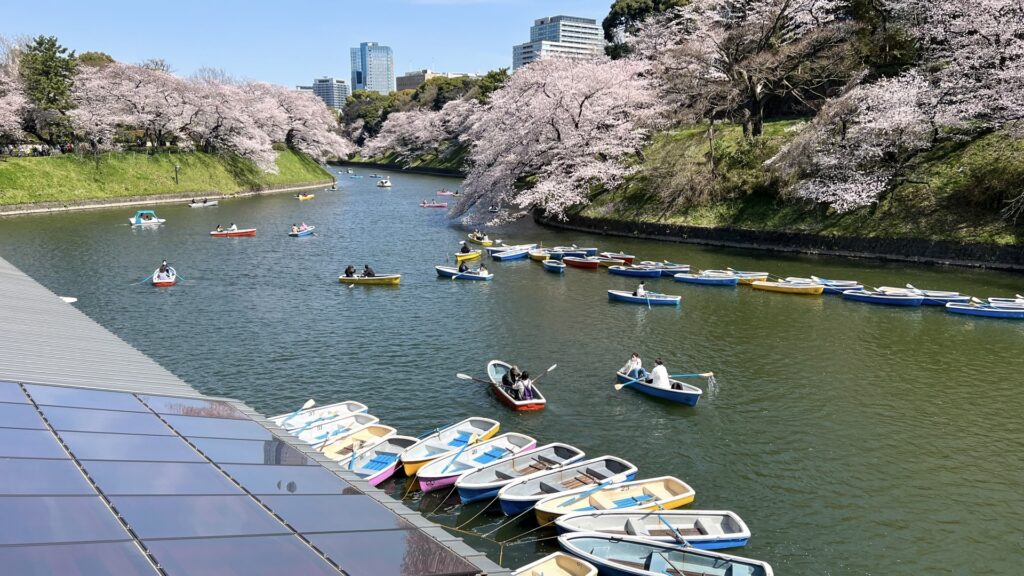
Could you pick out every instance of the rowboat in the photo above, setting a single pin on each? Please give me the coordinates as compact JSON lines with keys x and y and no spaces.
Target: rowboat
{"x":627,"y":258}
{"x":383,"y":183}
{"x":554,"y":266}
{"x":301,"y":418}
{"x":305,"y":196}
{"x":165,"y":280}
{"x":831,"y":286}
{"x":452,"y":272}
{"x":987,"y":310}
{"x":145,"y":218}
{"x":234,"y":233}
{"x":788,"y":287}
{"x":540,"y":254}
{"x":703,"y":529}
{"x":445,"y":193}
{"x":742,"y":276}
{"x":447,"y":441}
{"x":681,"y":392}
{"x":1007,"y":302}
{"x":635,"y":271}
{"x":346,"y":446}
{"x":323,"y":432}
{"x":667,"y":268}
{"x":498,"y":249}
{"x":484,"y":483}
{"x":443,"y":472}
{"x":519,"y":496}
{"x":557,"y":564}
{"x":708,"y":279}
{"x":632,"y":556}
{"x":376,"y":175}
{"x":308,"y":231}
{"x":481,"y":241}
{"x":378,"y":280}
{"x":886,"y":299}
{"x":466,"y":256}
{"x":434,"y":205}
{"x":584,"y":250}
{"x":931,"y":297}
{"x":561,"y":254}
{"x":513,"y":254}
{"x":496,"y":369}
{"x":378,"y":463}
{"x":587,"y":262}
{"x":608,"y":262}
{"x":662,"y":493}
{"x":203,"y":204}
{"x":652,"y":298}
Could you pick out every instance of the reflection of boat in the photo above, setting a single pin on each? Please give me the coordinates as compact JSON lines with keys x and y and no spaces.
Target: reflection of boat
{"x":145,"y":218}
{"x":632,"y":556}
{"x":704,"y":529}
{"x":170,"y":278}
{"x":204,"y":203}
{"x":234,"y":233}
{"x":378,"y":280}
{"x":557,"y":564}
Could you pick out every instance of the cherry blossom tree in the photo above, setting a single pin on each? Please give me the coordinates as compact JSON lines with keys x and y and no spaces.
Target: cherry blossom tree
{"x":558,"y":128}
{"x":414,"y":133}
{"x":303,"y":122}
{"x":13,"y":102}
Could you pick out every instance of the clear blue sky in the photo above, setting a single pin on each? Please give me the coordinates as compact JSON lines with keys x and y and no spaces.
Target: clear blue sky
{"x":292,"y":41}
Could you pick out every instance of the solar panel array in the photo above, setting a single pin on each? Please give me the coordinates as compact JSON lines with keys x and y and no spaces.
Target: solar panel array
{"x":96,"y":482}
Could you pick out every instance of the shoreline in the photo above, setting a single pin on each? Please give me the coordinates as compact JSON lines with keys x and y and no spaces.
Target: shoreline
{"x":911,"y":250}
{"x":48,"y":207}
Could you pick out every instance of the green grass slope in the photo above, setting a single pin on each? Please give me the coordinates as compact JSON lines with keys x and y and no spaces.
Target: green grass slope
{"x":71,"y":179}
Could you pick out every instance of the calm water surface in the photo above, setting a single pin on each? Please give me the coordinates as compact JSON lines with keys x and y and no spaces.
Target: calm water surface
{"x":853,"y":439}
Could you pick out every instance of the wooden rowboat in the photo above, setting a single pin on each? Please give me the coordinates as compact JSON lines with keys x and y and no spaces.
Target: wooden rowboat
{"x":652,"y":298}
{"x":447,"y":441}
{"x":681,"y":392}
{"x":557,"y":564}
{"x":378,"y":463}
{"x":632,"y":556}
{"x":443,"y":472}
{"x":378,"y":280}
{"x":302,"y":418}
{"x":164,"y":280}
{"x":480,"y":241}
{"x":662,"y":493}
{"x":704,"y":529}
{"x":484,"y":483}
{"x":496,"y":369}
{"x":466,"y":256}
{"x":519,"y":496}
{"x":788,"y":287}
{"x":346,"y":446}
{"x":234,"y":233}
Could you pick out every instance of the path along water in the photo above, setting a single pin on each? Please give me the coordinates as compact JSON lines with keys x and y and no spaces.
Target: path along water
{"x":853,"y":439}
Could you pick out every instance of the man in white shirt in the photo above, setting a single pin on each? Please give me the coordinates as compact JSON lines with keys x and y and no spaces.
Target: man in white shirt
{"x":659,"y":376}
{"x":641,"y":291}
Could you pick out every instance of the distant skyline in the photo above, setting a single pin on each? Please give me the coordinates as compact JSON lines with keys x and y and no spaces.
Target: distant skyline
{"x":294,"y":42}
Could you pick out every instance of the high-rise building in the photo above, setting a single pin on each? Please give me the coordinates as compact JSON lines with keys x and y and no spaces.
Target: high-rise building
{"x":373,"y":68}
{"x":412,"y":80}
{"x":566,"y":36}
{"x":332,"y":91}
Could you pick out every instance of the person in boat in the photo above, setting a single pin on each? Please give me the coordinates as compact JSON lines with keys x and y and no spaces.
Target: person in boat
{"x":221,"y":228}
{"x":509,"y":379}
{"x":523,"y":388}
{"x":659,"y":376}
{"x":634,"y":368}
{"x":640,"y":291}
{"x":482,"y":270}
{"x":204,"y":200}
{"x":295,"y":229}
{"x":368,"y":272}
{"x":193,"y":201}
{"x":465,"y":247}
{"x":232,"y":228}
{"x":303,"y":226}
{"x":350,"y":271}
{"x":463,"y":268}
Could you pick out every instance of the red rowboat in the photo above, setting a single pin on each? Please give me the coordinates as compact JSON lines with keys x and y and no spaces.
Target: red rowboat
{"x":576,"y":262}
{"x":234,"y":233}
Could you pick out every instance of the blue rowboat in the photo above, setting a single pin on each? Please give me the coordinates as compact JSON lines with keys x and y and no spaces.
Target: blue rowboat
{"x":931,"y":297}
{"x":681,"y":392}
{"x":635,"y":271}
{"x":521,"y":495}
{"x":883,"y":298}
{"x":652,"y":298}
{"x":302,"y":233}
{"x":450,"y":272}
{"x":515,"y":254}
{"x":703,"y":529}
{"x":492,"y":250}
{"x":559,"y":254}
{"x":831,"y":286}
{"x":986,"y":310}
{"x":616,"y":555}
{"x":708,"y":279}
{"x":553,"y":266}
{"x":586,"y":251}
{"x":484,"y":483}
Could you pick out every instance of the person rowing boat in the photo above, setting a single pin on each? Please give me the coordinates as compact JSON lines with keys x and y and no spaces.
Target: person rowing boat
{"x":465,"y":247}
{"x":368,"y":272}
{"x":634,"y":368}
{"x":350,"y":271}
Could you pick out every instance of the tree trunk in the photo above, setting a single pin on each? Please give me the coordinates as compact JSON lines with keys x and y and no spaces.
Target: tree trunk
{"x":712,"y":161}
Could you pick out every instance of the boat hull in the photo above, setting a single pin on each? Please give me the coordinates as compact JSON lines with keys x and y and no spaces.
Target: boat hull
{"x":554,"y":266}
{"x":495,"y":370}
{"x":597,"y":548}
{"x":685,"y":396}
{"x":480,"y":242}
{"x":789,"y":288}
{"x":433,"y":482}
{"x":467,"y":256}
{"x":883,"y":299}
{"x":385,"y":280}
{"x":986,"y":311}
{"x":634,"y":272}
{"x":510,"y":255}
{"x":234,"y":234}
{"x":652,"y":298}
{"x":585,"y":262}
{"x":706,"y":280}
{"x":557,"y":505}
{"x":166,"y":281}
{"x":702,"y":529}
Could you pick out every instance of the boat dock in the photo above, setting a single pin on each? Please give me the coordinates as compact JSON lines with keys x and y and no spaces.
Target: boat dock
{"x":109,"y":463}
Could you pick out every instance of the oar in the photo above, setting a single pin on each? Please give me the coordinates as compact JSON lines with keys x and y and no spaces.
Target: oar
{"x":675,"y":532}
{"x":352,"y":460}
{"x":553,"y":366}
{"x":434,"y":431}
{"x":469,"y":442}
{"x":462,"y":376}
{"x":695,"y":375}
{"x":309,"y":404}
{"x":583,"y":495}
{"x":624,"y":384}
{"x":144,"y":279}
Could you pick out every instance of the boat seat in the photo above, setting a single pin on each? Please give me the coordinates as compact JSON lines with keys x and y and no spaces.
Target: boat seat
{"x":491,"y":455}
{"x":630,"y":501}
{"x":601,"y":472}
{"x":381,"y":462}
{"x":504,"y":475}
{"x":461,"y":440}
{"x":635,"y":527}
{"x":658,"y":492}
{"x":656,"y":562}
{"x":549,"y":488}
{"x":708,"y":527}
{"x":740,"y":570}
{"x":546,"y":460}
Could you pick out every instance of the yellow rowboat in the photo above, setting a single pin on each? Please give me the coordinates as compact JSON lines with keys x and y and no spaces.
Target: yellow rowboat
{"x":357,"y":440}
{"x":557,"y":564}
{"x":447,"y":441}
{"x":662,"y":493}
{"x":466,"y":256}
{"x":383,"y":280}
{"x":306,"y":196}
{"x":608,"y":262}
{"x":789,"y":287}
{"x":539,"y":254}
{"x":475,"y":240}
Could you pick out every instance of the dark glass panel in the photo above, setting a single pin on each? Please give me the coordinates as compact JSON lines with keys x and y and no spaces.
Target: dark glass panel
{"x":194,"y":426}
{"x":390,"y":553}
{"x":163,"y":478}
{"x":192,"y":407}
{"x":260,"y":479}
{"x":252,"y":556}
{"x":94,"y":559}
{"x":20,"y":416}
{"x":88,"y":420}
{"x":50,"y":520}
{"x":250,"y":451}
{"x":11,"y":392}
{"x":195,"y":516}
{"x":29,"y":444}
{"x":96,"y":446}
{"x":41,"y":477}
{"x":334,"y":513}
{"x":84,"y":398}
